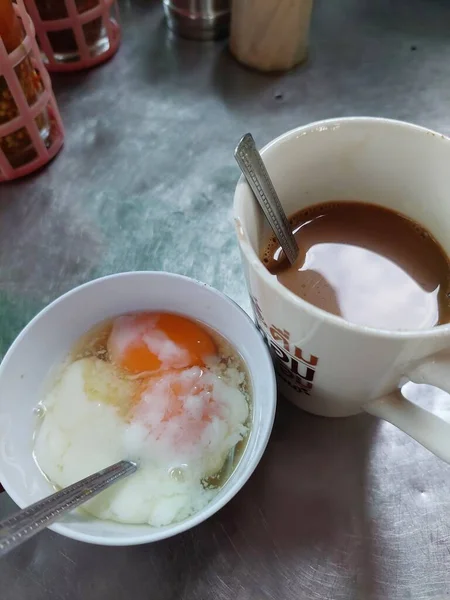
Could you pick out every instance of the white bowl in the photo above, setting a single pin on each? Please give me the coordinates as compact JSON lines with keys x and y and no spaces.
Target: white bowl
{"x":48,"y":338}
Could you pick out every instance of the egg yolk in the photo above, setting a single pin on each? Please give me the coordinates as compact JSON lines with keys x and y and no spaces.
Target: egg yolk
{"x":151,"y":342}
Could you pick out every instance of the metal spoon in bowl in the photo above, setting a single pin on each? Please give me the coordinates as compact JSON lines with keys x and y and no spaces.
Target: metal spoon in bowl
{"x":25,"y":523}
{"x":254,"y":171}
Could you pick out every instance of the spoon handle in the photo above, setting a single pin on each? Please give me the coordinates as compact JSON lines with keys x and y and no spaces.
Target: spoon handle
{"x":25,"y":523}
{"x":252,"y":166}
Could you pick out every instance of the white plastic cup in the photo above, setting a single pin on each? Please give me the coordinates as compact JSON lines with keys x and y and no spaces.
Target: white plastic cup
{"x":47,"y":340}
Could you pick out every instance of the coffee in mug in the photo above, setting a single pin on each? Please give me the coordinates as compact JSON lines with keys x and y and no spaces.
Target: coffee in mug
{"x":365,"y":263}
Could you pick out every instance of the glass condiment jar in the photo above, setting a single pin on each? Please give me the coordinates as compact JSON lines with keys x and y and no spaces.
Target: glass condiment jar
{"x":75,"y":34}
{"x":30,"y":126}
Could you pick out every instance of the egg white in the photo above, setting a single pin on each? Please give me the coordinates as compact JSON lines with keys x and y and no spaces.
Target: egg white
{"x":85,"y":429}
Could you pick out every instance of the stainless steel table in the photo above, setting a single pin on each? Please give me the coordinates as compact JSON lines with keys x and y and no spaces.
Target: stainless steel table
{"x":350,"y":508}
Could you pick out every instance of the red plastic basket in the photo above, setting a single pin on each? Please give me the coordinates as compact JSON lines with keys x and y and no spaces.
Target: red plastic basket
{"x":76,"y":34}
{"x":36,"y":129}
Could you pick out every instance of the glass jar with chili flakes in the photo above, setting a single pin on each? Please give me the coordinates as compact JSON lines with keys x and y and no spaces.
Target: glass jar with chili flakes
{"x":30,"y":125}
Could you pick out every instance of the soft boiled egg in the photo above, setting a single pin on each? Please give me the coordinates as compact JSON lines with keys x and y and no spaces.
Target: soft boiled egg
{"x":157,"y":388}
{"x":181,"y":430}
{"x":192,"y":414}
{"x":152,"y":342}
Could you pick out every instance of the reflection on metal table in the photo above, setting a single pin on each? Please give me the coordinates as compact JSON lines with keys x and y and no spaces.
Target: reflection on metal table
{"x":347,"y":508}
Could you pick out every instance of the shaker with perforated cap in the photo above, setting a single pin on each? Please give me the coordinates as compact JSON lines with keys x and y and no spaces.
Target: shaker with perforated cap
{"x":198,"y":19}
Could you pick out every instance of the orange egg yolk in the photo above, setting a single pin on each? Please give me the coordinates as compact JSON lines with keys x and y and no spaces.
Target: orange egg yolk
{"x":152,"y":342}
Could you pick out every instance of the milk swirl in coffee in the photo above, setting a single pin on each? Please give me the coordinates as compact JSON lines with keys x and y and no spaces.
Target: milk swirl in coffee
{"x":367,"y":264}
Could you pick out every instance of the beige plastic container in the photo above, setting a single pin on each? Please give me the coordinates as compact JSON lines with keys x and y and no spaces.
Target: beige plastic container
{"x":270,"y":35}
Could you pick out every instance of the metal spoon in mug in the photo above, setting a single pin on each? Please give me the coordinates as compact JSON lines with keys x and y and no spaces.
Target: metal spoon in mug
{"x":25,"y":523}
{"x":254,"y":171}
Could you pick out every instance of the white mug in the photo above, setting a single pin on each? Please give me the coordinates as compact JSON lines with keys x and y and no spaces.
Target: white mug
{"x":325,"y":364}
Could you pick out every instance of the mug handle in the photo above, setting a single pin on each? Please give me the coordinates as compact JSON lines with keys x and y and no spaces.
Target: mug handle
{"x":422,"y":425}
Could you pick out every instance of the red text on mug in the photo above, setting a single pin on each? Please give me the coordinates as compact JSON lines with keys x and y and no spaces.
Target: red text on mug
{"x":291,"y":364}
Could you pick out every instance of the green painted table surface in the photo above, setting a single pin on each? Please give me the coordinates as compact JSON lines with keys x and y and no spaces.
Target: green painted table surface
{"x":338,"y":509}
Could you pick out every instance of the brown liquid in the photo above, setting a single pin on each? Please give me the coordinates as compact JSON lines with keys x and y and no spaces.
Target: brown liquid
{"x":367,"y":264}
